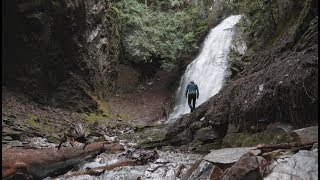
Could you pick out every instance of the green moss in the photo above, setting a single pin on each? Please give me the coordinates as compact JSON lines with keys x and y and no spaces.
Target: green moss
{"x":111,"y":125}
{"x":159,"y":126}
{"x":139,"y":127}
{"x":282,"y":27}
{"x":152,"y":136}
{"x":5,"y":109}
{"x":103,"y":107}
{"x":53,"y":139}
{"x":234,"y":140}
{"x":167,"y":148}
{"x":31,"y":120}
{"x":46,"y":126}
{"x":122,"y":117}
{"x":203,"y":148}
{"x":273,"y":136}
{"x":92,"y":117}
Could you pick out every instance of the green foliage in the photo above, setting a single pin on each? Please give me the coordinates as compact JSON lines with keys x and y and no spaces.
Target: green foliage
{"x":150,"y":31}
{"x":263,"y":16}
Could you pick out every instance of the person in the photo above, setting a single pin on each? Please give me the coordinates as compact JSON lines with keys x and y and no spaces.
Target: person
{"x":192,"y":93}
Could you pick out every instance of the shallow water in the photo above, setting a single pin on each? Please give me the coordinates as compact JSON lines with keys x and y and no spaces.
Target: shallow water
{"x":164,"y":168}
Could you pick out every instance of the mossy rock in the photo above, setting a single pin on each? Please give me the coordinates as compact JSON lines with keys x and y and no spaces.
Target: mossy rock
{"x":32,"y":120}
{"x":206,"y":134}
{"x":5,"y":109}
{"x":92,"y":117}
{"x":152,"y":137}
{"x":139,"y":127}
{"x":234,"y":140}
{"x":167,"y":148}
{"x":203,"y":148}
{"x":15,"y":135}
{"x":53,"y":139}
{"x":273,"y":136}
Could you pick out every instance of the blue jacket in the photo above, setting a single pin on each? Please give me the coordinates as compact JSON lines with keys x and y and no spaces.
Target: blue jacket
{"x":192,"y":88}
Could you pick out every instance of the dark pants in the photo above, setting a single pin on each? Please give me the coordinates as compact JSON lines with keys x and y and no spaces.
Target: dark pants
{"x":192,"y":97}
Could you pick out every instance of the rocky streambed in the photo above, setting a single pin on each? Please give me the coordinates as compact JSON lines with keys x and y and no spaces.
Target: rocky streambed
{"x":297,"y":160}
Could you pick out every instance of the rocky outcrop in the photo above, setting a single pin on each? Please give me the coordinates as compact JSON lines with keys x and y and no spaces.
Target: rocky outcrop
{"x":280,"y":84}
{"x":60,"y":53}
{"x":248,"y":163}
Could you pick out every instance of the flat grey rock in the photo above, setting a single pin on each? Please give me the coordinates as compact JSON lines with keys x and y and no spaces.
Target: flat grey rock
{"x":229,"y":155}
{"x":302,"y":165}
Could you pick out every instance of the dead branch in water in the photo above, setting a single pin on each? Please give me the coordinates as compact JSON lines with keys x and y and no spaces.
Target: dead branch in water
{"x":144,"y":158}
{"x":268,"y":148}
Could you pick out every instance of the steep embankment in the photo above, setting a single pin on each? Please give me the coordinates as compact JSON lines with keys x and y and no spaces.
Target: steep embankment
{"x":61,"y":64}
{"x":60,"y":53}
{"x":280,"y":84}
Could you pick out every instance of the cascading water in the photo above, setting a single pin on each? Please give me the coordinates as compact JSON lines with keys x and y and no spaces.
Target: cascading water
{"x":208,"y":69}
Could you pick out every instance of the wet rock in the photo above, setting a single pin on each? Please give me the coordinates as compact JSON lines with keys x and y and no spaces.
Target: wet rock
{"x":307,"y":134}
{"x":190,"y":171}
{"x":202,"y":172}
{"x":167,"y":148}
{"x":16,"y":135}
{"x":152,"y":137}
{"x":216,"y":173}
{"x":16,"y":143}
{"x":204,"y":148}
{"x":196,"y":125}
{"x":302,"y":165}
{"x":7,"y":138}
{"x":263,"y":165}
{"x":53,"y":138}
{"x":39,"y":143}
{"x":284,"y":126}
{"x":315,"y":146}
{"x":228,"y":155}
{"x":272,"y":136}
{"x":246,"y":168}
{"x":207,"y":134}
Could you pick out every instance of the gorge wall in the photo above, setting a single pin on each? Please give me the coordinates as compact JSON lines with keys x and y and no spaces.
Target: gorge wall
{"x":60,"y":53}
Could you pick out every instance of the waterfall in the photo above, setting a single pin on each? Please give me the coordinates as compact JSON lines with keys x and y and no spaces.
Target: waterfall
{"x":208,"y":69}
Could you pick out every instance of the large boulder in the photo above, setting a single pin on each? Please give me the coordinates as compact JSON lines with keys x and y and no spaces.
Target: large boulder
{"x":302,"y":165}
{"x":207,"y":134}
{"x":247,"y":167}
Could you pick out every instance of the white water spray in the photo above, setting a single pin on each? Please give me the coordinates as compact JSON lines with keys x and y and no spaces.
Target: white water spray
{"x":208,"y":69}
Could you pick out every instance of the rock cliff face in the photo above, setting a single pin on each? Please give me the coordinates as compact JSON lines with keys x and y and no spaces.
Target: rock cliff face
{"x":279,"y":84}
{"x":60,"y":53}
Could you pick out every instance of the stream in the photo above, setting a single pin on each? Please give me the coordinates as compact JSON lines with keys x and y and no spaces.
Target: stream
{"x":163,"y":168}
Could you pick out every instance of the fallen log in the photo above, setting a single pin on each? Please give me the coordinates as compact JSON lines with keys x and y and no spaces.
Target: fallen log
{"x":40,"y":163}
{"x":267,"y":148}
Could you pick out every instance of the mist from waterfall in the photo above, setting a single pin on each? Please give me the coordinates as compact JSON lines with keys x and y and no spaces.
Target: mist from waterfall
{"x":208,"y":69}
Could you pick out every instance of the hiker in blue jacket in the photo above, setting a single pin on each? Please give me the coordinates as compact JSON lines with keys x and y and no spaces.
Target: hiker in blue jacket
{"x":192,"y":93}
